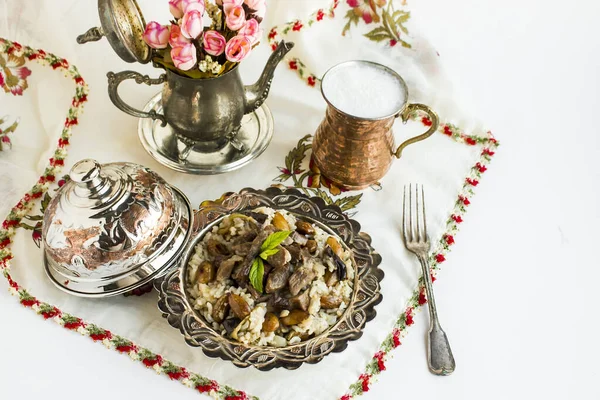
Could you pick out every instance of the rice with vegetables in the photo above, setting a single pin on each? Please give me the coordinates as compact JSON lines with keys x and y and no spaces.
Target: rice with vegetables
{"x":268,"y":278}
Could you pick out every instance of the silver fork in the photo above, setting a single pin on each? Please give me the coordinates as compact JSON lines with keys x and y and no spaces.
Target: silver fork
{"x":439,"y":354}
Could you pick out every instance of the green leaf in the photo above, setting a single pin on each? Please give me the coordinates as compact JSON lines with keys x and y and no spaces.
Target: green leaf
{"x":378,"y":35}
{"x":45,"y":201}
{"x":401,"y":16}
{"x":265,"y":254}
{"x":388,"y":22}
{"x":257,"y":273}
{"x":349,"y":202}
{"x":274,"y":240}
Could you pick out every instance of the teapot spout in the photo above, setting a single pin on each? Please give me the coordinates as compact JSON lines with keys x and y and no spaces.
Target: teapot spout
{"x":257,"y":93}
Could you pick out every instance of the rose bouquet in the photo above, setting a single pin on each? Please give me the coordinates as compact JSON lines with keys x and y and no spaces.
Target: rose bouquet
{"x":206,"y":39}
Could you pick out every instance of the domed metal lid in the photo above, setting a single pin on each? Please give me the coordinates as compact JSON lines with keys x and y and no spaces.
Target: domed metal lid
{"x":123,"y":25}
{"x":113,"y":228}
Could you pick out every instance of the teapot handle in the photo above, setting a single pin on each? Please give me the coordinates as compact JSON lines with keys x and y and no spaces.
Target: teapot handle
{"x":405,"y":115}
{"x":114,"y":80}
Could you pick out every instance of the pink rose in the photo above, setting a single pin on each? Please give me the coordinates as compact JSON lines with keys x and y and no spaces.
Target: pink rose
{"x":236,"y":18}
{"x":184,"y":57}
{"x":180,"y":7}
{"x":251,"y":30}
{"x":156,"y":35}
{"x":238,"y":48}
{"x":229,"y":4}
{"x":191,"y":24}
{"x":176,"y":8}
{"x":214,"y":43}
{"x":176,"y":39}
{"x":189,"y":5}
{"x":259,"y":7}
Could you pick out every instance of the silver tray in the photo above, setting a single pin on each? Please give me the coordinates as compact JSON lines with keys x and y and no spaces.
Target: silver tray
{"x":175,"y":306}
{"x":165,"y":147}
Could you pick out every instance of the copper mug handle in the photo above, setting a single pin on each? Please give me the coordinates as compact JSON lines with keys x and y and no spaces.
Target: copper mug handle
{"x":405,"y":115}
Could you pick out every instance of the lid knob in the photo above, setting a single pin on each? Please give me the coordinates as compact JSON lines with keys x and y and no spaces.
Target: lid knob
{"x":86,"y":174}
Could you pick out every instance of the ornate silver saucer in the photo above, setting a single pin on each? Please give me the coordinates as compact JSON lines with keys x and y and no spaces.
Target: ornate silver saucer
{"x":181,"y":155}
{"x":176,"y":308}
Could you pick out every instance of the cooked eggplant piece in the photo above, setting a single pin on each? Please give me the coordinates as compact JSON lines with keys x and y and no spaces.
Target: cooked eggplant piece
{"x":335,"y":246}
{"x":277,"y":279}
{"x":258,"y":217}
{"x":239,"y":306}
{"x":299,"y":238}
{"x":330,"y":301}
{"x":220,"y":309}
{"x":330,"y":278}
{"x":305,"y":228}
{"x":230,"y":324}
{"x":226,"y":267}
{"x":246,"y":237}
{"x":301,"y":301}
{"x":280,"y":258}
{"x":300,"y":279}
{"x":295,"y":317}
{"x":240,"y":274}
{"x":311,"y":246}
{"x":216,"y":248}
{"x":280,"y":222}
{"x":278,"y":303}
{"x":253,"y":292}
{"x":205,"y":272}
{"x":271,"y":323}
{"x":341,"y":267}
{"x":295,"y":253}
{"x":337,"y":261}
{"x":242,"y":249}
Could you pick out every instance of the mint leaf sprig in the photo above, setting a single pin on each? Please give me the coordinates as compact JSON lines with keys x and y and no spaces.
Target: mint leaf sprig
{"x":268,"y":248}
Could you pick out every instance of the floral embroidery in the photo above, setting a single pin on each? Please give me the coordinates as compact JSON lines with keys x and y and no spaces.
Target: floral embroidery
{"x":367,"y":9}
{"x":392,"y":21}
{"x":278,"y":32}
{"x":5,"y":130}
{"x":310,"y":179}
{"x":13,"y":74}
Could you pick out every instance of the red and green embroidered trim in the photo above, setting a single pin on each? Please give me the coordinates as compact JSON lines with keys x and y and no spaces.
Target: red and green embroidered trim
{"x":279,"y":32}
{"x":390,"y":28}
{"x":155,"y":361}
{"x":393,"y":340}
{"x":14,"y":221}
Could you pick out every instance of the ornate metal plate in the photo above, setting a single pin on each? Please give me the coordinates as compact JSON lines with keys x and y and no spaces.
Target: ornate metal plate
{"x":174,"y":304}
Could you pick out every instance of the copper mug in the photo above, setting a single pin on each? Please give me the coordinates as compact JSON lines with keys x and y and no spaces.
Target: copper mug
{"x":356,"y":152}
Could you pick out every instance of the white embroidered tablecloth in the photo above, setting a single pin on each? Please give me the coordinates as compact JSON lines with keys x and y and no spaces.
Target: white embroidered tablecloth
{"x":45,"y":121}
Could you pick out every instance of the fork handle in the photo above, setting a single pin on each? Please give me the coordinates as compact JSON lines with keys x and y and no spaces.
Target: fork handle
{"x":439,"y":353}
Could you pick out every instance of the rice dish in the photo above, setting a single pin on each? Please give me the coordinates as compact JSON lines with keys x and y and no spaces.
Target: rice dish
{"x":269,"y":278}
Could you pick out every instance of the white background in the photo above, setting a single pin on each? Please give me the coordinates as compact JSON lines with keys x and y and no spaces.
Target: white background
{"x":517,"y":295}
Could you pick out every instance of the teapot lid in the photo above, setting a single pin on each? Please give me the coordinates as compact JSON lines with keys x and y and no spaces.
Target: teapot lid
{"x":113,"y":228}
{"x":123,"y":25}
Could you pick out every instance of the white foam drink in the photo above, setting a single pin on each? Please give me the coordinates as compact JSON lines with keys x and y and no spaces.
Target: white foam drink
{"x":364,"y":89}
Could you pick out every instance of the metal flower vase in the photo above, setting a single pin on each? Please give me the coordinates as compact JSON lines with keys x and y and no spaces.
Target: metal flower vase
{"x":205,"y":114}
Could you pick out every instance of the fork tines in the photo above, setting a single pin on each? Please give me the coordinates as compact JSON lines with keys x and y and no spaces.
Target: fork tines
{"x":414,"y":231}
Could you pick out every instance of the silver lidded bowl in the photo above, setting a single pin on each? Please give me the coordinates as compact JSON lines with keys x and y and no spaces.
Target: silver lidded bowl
{"x":113,"y":228}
